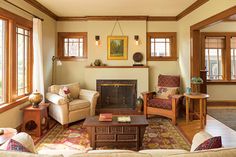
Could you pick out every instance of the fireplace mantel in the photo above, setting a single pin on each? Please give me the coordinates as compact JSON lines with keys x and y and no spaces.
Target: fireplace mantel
{"x":117,"y":66}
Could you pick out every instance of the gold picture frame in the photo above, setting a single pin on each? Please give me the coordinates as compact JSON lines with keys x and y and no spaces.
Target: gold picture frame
{"x":117,"y":47}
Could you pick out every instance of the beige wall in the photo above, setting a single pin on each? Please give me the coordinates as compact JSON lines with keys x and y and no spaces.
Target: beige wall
{"x":218,"y":92}
{"x":162,"y":67}
{"x":209,"y":9}
{"x":13,"y":117}
{"x":74,"y":71}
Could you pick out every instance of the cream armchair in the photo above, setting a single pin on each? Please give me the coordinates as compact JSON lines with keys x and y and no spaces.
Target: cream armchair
{"x":83,"y":103}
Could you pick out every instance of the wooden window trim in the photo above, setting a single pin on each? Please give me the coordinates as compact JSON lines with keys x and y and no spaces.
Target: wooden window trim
{"x":62,"y":36}
{"x":13,"y":21}
{"x":173,"y":56}
{"x":226,"y":56}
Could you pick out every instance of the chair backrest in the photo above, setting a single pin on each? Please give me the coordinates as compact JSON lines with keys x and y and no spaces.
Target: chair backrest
{"x":169,"y":80}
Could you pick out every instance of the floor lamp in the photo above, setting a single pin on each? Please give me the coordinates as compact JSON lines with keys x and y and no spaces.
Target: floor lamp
{"x":54,"y":70}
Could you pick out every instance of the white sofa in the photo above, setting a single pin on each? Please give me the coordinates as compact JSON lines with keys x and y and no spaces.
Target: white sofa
{"x":200,"y":137}
{"x":83,"y":103}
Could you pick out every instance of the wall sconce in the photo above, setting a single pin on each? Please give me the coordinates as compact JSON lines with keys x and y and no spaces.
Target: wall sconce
{"x":136,"y":38}
{"x":97,"y":40}
{"x":58,"y":63}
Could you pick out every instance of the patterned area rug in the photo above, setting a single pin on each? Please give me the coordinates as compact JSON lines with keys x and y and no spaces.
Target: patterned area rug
{"x":159,"y":134}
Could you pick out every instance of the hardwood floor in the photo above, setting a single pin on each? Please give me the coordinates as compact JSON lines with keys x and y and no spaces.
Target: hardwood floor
{"x":213,"y":126}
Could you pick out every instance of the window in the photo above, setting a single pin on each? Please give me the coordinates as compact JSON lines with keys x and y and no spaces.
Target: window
{"x":161,"y":46}
{"x":214,"y":46}
{"x":72,"y":45}
{"x":16,"y":59}
{"x":2,"y":60}
{"x":233,"y":57}
{"x":219,"y":50}
{"x":23,"y":49}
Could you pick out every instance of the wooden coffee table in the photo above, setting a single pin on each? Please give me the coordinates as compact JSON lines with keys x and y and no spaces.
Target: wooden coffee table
{"x":116,"y":134}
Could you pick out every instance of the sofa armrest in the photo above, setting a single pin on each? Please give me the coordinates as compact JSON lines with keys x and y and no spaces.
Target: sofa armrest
{"x":199,"y":138}
{"x":56,"y":99}
{"x":90,"y":96}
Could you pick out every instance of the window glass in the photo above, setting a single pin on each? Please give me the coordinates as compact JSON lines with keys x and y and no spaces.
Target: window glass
{"x":160,"y":47}
{"x":73,"y":47}
{"x":2,"y":59}
{"x":22,"y":60}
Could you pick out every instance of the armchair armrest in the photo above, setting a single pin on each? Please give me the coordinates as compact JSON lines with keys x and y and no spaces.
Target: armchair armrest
{"x":56,"y":99}
{"x":177,"y":96}
{"x":90,"y":96}
{"x":146,"y":97}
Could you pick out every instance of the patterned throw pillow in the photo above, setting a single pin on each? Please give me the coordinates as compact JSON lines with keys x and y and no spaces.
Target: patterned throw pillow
{"x":211,"y":143}
{"x":166,"y":92}
{"x":16,"y":146}
{"x":65,"y":92}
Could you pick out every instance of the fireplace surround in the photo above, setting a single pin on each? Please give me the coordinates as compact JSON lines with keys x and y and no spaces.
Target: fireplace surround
{"x":116,"y":94}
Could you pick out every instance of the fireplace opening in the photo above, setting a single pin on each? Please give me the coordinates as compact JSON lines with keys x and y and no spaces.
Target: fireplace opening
{"x":116,"y":94}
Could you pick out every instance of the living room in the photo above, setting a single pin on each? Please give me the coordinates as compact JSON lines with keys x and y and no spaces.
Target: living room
{"x":181,"y":23}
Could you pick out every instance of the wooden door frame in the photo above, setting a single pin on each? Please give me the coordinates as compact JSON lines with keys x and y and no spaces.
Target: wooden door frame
{"x":195,"y":39}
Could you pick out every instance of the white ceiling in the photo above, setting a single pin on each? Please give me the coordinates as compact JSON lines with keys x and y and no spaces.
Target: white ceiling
{"x":116,"y":7}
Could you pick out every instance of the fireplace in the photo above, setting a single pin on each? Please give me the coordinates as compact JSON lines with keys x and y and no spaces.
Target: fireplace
{"x":115,"y":94}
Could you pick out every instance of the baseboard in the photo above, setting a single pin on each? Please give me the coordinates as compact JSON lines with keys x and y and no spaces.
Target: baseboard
{"x":221,"y":103}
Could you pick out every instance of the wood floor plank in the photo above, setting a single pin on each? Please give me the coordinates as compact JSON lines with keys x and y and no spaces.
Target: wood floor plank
{"x":213,"y":126}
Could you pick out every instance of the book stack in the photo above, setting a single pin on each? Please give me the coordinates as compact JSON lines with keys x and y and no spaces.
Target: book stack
{"x":105,"y":117}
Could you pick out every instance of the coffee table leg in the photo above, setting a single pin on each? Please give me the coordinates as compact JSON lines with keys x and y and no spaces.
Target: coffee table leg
{"x":93,"y":138}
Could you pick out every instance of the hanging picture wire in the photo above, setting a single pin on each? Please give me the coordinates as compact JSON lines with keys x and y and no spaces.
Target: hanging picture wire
{"x":117,"y":22}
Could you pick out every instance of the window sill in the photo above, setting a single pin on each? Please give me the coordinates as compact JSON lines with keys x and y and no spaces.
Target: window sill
{"x":220,"y":82}
{"x":8,"y":106}
{"x":73,"y":58}
{"x":162,"y":59}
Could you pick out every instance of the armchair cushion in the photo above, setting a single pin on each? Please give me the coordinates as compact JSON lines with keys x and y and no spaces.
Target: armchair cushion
{"x":78,"y":104}
{"x":160,"y":103}
{"x":65,"y":92}
{"x":166,"y":92}
{"x":169,"y":80}
{"x":73,"y":87}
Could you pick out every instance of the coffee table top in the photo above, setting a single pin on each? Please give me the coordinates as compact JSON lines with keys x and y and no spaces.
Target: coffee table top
{"x":136,"y":120}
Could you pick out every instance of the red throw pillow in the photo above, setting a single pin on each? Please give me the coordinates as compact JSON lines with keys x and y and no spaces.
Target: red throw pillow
{"x":211,"y":143}
{"x":16,"y":146}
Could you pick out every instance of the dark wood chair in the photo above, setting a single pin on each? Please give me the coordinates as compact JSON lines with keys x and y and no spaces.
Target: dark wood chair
{"x":164,"y":107}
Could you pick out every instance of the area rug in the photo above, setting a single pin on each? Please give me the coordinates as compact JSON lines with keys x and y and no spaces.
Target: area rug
{"x":225,"y":116}
{"x":159,"y":134}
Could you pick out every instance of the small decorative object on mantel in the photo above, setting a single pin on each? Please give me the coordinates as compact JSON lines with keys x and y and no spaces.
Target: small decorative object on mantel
{"x":137,"y":57}
{"x":97,"y":62}
{"x":139,"y":104}
{"x":35,"y":98}
{"x":196,"y":81}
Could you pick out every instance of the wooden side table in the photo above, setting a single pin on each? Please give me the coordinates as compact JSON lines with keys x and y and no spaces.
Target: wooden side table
{"x":202,"y":107}
{"x":35,"y":120}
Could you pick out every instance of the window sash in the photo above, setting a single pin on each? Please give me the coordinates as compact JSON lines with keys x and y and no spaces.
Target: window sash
{"x":22,"y":61}
{"x":3,"y":37}
{"x":72,"y":45}
{"x":213,"y":61}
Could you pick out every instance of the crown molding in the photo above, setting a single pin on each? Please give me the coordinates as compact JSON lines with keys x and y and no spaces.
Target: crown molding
{"x":42,"y":8}
{"x":185,"y":12}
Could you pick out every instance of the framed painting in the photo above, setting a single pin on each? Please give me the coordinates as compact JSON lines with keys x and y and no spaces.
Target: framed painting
{"x":117,"y":47}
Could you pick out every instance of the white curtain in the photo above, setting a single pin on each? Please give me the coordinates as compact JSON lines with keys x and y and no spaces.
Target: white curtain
{"x":38,"y":81}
